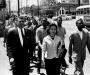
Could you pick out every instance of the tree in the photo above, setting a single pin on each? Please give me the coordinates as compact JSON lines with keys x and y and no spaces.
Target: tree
{"x":34,"y":10}
{"x":2,"y":4}
{"x":48,"y":6}
{"x":79,"y":2}
{"x":49,"y":3}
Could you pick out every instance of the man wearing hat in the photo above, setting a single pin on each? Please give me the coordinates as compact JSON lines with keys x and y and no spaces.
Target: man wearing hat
{"x":77,"y":47}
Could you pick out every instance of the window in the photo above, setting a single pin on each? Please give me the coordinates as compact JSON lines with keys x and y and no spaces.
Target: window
{"x":88,"y":10}
{"x":81,"y":11}
{"x":85,"y":10}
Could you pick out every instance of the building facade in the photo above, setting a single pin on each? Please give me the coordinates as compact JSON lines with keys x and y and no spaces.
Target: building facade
{"x":69,"y":6}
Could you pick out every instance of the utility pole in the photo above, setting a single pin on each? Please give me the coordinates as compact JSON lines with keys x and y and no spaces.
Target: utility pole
{"x":26,"y":6}
{"x":21,"y":3}
{"x":38,"y":7}
{"x":79,"y":2}
{"x":21,"y":6}
{"x":18,"y":8}
{"x":9,"y":7}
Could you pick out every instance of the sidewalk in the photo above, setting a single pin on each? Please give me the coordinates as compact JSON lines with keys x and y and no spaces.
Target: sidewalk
{"x":33,"y":70}
{"x":69,"y":71}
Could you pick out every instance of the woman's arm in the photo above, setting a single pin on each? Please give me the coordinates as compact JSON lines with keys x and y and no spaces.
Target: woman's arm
{"x":44,"y":48}
{"x":59,"y":47}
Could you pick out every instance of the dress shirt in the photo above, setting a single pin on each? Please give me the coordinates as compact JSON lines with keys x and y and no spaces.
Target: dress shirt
{"x":80,"y":34}
{"x":20,"y":35}
{"x":49,"y":47}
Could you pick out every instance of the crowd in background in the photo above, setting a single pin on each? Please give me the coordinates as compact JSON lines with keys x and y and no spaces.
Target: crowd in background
{"x":24,"y":35}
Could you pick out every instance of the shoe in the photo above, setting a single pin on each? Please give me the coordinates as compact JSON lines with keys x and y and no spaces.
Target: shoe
{"x":10,"y":69}
{"x":76,"y":73}
{"x":38,"y":71}
{"x":65,"y":65}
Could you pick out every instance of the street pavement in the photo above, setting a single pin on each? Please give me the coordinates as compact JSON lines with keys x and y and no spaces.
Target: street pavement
{"x":70,"y":28}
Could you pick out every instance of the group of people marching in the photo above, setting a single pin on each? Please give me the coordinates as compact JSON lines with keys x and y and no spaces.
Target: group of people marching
{"x":23,"y":35}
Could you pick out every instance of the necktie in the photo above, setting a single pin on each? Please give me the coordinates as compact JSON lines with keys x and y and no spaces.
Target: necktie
{"x":20,"y":36}
{"x":22,"y":33}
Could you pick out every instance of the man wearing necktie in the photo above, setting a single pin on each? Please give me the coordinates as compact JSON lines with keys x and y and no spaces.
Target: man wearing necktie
{"x":30,"y":36}
{"x":17,"y":50}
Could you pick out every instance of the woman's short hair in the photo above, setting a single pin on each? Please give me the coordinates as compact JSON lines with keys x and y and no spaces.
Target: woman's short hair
{"x":52,"y":24}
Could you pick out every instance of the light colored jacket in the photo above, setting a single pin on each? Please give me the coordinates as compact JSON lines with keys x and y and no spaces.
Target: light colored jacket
{"x":77,"y":46}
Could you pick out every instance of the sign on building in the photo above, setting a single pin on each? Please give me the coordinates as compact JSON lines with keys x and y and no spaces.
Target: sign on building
{"x":85,"y":1}
{"x":75,"y":1}
{"x":70,"y":1}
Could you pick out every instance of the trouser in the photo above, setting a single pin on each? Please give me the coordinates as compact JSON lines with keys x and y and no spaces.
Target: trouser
{"x":79,"y":66}
{"x":52,"y":66}
{"x":63,"y":61}
{"x":31,"y":49}
{"x":22,"y":66}
{"x":39,"y":59}
{"x":20,"y":71}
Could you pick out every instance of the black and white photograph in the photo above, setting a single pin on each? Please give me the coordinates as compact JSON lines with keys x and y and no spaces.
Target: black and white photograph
{"x":44,"y":37}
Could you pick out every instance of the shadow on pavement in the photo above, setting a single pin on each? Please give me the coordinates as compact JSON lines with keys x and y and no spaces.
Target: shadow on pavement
{"x":42,"y":74}
{"x":31,"y":70}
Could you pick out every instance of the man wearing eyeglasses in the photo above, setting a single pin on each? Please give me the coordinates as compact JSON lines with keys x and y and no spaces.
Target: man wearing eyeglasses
{"x":77,"y":47}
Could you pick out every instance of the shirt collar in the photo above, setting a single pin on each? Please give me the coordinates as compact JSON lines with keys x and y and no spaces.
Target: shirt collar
{"x":51,"y":38}
{"x":79,"y":31}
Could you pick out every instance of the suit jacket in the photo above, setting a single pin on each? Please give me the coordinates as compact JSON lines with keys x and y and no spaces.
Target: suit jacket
{"x":77,"y":46}
{"x":18,"y":51}
{"x":14,"y":48}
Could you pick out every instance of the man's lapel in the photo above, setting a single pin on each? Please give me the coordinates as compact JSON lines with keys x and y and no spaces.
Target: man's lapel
{"x":84,"y":35}
{"x":79,"y":36}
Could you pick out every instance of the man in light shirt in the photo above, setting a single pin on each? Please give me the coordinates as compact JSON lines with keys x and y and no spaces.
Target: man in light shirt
{"x":77,"y":47}
{"x":41,"y":32}
{"x":61,"y":33}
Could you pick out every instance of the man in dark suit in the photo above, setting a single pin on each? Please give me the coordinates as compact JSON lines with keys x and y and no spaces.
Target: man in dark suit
{"x":17,"y":50}
{"x":77,"y":47}
{"x":30,"y":36}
